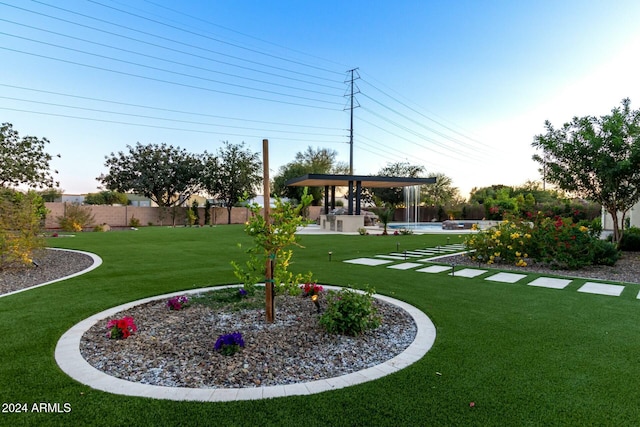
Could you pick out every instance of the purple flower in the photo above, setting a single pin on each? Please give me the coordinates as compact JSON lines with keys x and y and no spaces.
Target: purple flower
{"x":242,"y":292}
{"x":228,"y":344}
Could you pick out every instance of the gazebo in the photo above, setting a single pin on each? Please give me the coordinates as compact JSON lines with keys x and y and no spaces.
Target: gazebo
{"x":354,"y":184}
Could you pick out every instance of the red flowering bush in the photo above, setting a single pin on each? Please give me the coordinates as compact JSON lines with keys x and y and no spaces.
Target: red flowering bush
{"x":121,"y":328}
{"x":310,"y":289}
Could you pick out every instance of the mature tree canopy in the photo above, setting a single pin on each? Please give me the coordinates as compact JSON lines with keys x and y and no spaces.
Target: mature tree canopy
{"x":166,"y":174}
{"x":321,"y":160}
{"x":51,"y":194}
{"x":441,"y":193}
{"x":393,"y":196}
{"x":230,"y":174}
{"x":24,"y":160}
{"x":597,"y":158}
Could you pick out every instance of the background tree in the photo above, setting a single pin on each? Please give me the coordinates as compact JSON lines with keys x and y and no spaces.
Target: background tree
{"x":106,"y":197}
{"x":207,"y":212}
{"x":442,"y":192}
{"x":196,"y":214}
{"x":320,"y":160}
{"x":393,"y":196}
{"x":51,"y":194}
{"x":597,"y":158}
{"x":232,"y":173}
{"x":166,"y":174}
{"x":24,"y":160}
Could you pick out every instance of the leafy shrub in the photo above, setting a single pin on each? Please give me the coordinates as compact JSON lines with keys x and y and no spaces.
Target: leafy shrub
{"x":21,"y":216}
{"x":349,"y":313}
{"x":362,"y":231}
{"x":76,"y":217}
{"x":134,"y":222}
{"x":604,"y":253}
{"x":630,"y":240}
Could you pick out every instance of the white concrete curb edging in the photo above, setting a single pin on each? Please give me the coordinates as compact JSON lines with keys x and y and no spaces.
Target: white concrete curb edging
{"x":69,"y":359}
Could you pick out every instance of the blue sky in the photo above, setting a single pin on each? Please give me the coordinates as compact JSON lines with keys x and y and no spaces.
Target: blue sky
{"x":459,"y":87}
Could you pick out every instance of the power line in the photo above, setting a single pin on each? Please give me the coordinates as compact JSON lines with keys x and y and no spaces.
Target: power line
{"x":155,"y":126}
{"x":163,"y":118}
{"x":162,"y":80}
{"x":410,"y":141}
{"x":167,"y":39}
{"x":424,"y":115}
{"x":215,"y":39}
{"x":160,"y":69}
{"x":84,"y":40}
{"x":167,"y":109}
{"x":165,"y":47}
{"x":175,"y":11}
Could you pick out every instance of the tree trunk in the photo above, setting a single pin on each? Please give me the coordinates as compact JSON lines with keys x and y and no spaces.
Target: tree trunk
{"x":229,"y":214}
{"x":616,"y":226}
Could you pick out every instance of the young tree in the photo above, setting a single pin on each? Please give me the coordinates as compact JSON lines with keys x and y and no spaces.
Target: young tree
{"x":231,"y":174}
{"x":24,"y":160}
{"x":597,"y":158}
{"x":166,"y":174}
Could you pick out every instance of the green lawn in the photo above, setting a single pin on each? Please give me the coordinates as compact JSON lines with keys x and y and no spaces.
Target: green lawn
{"x":523,"y":355}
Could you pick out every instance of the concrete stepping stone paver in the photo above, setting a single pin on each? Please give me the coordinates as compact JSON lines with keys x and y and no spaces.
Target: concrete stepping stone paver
{"x":467,"y":272}
{"x":368,"y":261}
{"x":550,"y":282}
{"x":405,"y":265}
{"x":506,"y":277}
{"x":409,"y":255}
{"x":395,"y":257}
{"x":601,"y":289}
{"x":434,"y":269}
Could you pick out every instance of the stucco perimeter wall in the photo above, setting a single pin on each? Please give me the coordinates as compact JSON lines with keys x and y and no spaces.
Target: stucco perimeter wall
{"x":120,"y":216}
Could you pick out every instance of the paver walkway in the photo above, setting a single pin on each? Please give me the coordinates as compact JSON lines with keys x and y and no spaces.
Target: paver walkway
{"x":416,"y":259}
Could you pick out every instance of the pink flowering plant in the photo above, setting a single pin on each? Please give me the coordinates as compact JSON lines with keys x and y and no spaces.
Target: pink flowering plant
{"x":121,"y":328}
{"x":229,"y":344}
{"x":178,"y":302}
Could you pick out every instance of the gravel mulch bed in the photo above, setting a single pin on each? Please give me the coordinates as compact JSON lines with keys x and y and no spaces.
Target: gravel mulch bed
{"x":176,"y":348}
{"x":52,"y":265}
{"x":627,"y":269}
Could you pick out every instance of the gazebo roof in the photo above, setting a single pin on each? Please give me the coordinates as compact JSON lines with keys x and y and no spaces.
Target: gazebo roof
{"x":321,"y":180}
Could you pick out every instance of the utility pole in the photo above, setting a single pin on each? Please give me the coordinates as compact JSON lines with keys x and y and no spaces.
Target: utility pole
{"x":353,"y":90}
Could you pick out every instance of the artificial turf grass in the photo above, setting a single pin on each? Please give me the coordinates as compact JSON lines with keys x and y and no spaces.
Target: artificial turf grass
{"x":523,"y":355}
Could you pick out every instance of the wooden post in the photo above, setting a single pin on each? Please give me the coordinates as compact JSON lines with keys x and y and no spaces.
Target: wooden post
{"x":268,"y":284}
